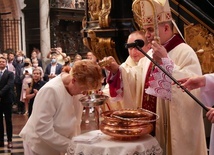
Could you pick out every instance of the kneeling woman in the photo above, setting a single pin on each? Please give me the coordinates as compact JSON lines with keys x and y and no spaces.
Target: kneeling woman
{"x":56,"y":115}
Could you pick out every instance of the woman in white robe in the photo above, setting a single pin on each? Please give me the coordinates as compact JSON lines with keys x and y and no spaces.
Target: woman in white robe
{"x":57,"y":111}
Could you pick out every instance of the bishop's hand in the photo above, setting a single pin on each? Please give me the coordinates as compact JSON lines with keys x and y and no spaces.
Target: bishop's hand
{"x":110,"y":64}
{"x":159,"y":52}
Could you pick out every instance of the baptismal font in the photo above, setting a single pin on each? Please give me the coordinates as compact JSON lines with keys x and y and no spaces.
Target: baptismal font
{"x":93,"y":100}
{"x":124,"y":124}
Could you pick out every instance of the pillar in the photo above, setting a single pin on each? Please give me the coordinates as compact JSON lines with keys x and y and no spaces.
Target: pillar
{"x":44,"y":30}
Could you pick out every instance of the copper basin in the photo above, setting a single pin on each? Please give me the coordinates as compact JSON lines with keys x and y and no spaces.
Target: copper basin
{"x":127,"y":123}
{"x":126,"y":133}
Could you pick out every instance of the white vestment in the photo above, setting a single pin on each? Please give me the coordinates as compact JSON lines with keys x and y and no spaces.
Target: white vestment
{"x":55,"y":119}
{"x":207,"y":93}
{"x":180,"y":129}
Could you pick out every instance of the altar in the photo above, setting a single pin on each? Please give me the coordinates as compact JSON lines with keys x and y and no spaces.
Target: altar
{"x":97,"y":143}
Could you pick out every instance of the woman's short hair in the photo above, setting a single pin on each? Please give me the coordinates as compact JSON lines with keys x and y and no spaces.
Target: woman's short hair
{"x":87,"y":73}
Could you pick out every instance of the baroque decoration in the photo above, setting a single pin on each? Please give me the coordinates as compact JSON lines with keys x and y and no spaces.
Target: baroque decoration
{"x":136,"y":8}
{"x":65,"y":35}
{"x":99,"y":11}
{"x":101,"y":47}
{"x":202,"y":42}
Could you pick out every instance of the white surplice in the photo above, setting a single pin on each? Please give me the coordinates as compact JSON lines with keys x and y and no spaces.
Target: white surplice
{"x":207,"y":93}
{"x":180,"y":129}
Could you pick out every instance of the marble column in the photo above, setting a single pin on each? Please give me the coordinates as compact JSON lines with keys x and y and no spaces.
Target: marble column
{"x":21,"y":5}
{"x":44,"y":30}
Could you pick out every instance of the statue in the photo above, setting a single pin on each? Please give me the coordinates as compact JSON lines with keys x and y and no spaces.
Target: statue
{"x":101,"y":47}
{"x":208,"y":55}
{"x":95,"y":7}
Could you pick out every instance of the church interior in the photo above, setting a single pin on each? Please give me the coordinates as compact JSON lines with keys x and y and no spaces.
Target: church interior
{"x":79,"y":26}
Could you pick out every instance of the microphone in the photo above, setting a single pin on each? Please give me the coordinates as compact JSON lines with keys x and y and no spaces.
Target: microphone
{"x":138,"y":42}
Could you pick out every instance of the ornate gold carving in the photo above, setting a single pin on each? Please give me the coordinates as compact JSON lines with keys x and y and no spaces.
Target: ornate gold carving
{"x":104,"y":14}
{"x":136,"y":9}
{"x":199,"y":38}
{"x":94,"y":8}
{"x":84,"y":22}
{"x":101,"y":47}
{"x":100,"y":10}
